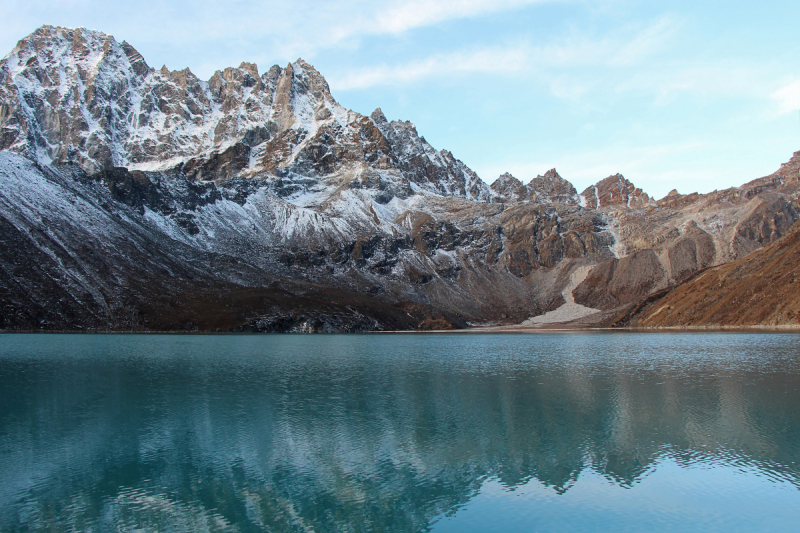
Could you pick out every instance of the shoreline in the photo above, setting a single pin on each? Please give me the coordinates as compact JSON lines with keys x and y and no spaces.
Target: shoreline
{"x":565,"y":328}
{"x":511,"y":329}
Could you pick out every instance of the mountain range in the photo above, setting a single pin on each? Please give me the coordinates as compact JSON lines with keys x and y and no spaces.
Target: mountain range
{"x":135,"y":198}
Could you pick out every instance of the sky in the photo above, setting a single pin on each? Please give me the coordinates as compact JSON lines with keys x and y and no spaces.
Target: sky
{"x":693,"y":96}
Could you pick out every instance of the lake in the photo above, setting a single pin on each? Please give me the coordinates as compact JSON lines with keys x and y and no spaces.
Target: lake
{"x":405,"y":432}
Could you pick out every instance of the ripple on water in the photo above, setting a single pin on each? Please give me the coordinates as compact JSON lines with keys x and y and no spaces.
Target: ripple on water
{"x":602,"y":431}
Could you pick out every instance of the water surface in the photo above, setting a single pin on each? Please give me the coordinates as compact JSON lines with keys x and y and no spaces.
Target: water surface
{"x":546,"y":432}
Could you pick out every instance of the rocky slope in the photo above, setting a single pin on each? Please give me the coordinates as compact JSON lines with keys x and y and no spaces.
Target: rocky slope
{"x":679,"y":235}
{"x":762,"y":288}
{"x":134,"y":198}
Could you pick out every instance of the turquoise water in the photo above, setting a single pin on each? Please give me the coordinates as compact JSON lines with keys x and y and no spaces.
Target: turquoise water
{"x":464,"y":432}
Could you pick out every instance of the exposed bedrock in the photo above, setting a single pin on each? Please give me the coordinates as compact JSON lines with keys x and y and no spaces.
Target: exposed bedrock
{"x":621,"y":281}
{"x":762,"y":288}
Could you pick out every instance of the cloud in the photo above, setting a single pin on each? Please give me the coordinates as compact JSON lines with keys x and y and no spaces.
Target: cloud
{"x":626,"y":46}
{"x":788,"y":98}
{"x":629,"y":60}
{"x":403,"y":16}
{"x":646,"y":43}
{"x":702,"y":78}
{"x":634,"y":59}
{"x":551,"y":63}
{"x":488,"y":60}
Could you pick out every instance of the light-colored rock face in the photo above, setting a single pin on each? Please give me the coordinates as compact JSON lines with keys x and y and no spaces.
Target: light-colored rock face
{"x":759,"y":289}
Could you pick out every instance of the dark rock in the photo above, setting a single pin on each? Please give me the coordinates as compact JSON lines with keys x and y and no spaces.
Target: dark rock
{"x":621,"y":281}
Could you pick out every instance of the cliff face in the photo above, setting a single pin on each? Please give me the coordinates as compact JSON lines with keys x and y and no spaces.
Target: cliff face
{"x":135,"y":198}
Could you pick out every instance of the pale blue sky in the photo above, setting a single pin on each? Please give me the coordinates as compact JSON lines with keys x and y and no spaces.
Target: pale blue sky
{"x":689,"y":95}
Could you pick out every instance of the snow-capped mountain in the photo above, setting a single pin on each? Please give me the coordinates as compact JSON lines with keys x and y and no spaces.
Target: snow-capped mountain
{"x":136,"y":198}
{"x":79,"y":96}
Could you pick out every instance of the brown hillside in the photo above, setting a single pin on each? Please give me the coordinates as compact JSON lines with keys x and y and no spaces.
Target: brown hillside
{"x":762,"y":288}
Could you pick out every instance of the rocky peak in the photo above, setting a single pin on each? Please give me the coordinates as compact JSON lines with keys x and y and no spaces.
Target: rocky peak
{"x":420,"y":163}
{"x":379,"y":118}
{"x":790,"y":171}
{"x":67,"y":93}
{"x":615,"y":191}
{"x":509,"y":188}
{"x":552,"y":188}
{"x":137,"y":62}
{"x":76,"y":95}
{"x":312,"y":80}
{"x":251,"y":69}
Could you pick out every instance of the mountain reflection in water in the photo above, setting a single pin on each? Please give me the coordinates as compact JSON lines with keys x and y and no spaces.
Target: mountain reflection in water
{"x":377,"y":432}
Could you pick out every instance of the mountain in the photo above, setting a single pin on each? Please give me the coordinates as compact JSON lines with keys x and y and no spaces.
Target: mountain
{"x":79,"y":96}
{"x":140,"y":199}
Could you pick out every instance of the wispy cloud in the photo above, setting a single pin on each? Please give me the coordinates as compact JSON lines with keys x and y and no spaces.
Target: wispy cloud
{"x":701,"y":77}
{"x":788,"y":98}
{"x":645,"y":43}
{"x":579,"y":68}
{"x":509,"y":59}
{"x":549,"y":62}
{"x":403,"y":16}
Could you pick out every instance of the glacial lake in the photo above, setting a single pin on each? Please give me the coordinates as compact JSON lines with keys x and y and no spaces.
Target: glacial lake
{"x":404,"y":432}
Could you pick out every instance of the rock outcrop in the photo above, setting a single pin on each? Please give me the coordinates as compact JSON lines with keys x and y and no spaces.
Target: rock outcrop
{"x":548,"y":189}
{"x":552,"y":188}
{"x":615,"y":191}
{"x":510,"y":189}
